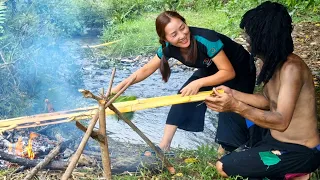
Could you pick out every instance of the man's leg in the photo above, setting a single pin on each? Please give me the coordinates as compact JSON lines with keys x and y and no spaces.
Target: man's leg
{"x":221,"y":151}
{"x":219,"y":167}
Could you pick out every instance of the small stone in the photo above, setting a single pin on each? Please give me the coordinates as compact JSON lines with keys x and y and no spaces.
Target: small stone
{"x":137,"y":58}
{"x":304,"y":56}
{"x":313,"y":43}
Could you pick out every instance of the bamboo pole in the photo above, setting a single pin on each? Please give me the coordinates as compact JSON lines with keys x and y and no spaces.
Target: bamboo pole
{"x":84,"y":140}
{"x":128,"y":106}
{"x":104,"y":146}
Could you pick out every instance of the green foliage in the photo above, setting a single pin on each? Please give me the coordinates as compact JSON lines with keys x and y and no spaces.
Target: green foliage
{"x":137,"y":37}
{"x":125,"y":98}
{"x":134,"y":24}
{"x":94,"y":13}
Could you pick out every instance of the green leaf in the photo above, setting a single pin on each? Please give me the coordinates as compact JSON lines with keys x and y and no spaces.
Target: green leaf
{"x":125,"y":98}
{"x":268,"y":158}
{"x":128,"y":115}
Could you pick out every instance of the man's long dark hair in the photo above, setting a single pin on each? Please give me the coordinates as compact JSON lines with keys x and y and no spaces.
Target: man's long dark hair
{"x":269,"y":28}
{"x":161,"y":22}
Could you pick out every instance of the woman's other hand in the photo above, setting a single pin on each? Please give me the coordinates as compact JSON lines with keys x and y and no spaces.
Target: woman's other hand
{"x":191,"y":89}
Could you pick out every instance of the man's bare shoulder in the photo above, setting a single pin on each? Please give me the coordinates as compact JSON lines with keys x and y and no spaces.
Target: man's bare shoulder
{"x":294,"y":64}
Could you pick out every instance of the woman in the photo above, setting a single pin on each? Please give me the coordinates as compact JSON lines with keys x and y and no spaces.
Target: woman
{"x":219,"y":60}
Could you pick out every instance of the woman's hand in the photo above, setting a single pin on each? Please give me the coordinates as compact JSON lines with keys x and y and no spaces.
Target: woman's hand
{"x":191,"y":89}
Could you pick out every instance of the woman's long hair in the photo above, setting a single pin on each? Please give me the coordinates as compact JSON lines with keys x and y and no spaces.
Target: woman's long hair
{"x":269,"y":28}
{"x":161,"y":22}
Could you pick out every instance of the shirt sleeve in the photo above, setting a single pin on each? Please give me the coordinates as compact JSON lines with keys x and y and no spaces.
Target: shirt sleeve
{"x":212,"y":47}
{"x":159,"y":52}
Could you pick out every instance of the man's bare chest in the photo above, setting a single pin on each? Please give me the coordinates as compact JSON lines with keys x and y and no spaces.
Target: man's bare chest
{"x":271,"y":91}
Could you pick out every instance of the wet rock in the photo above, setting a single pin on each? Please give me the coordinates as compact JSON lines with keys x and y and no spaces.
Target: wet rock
{"x":126,"y":61}
{"x":98,"y":73}
{"x":67,"y":153}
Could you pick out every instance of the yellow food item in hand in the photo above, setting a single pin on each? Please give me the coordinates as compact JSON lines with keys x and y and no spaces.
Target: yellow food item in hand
{"x":221,"y":91}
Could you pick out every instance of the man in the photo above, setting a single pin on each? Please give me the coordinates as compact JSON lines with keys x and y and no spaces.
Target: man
{"x":287,"y":106}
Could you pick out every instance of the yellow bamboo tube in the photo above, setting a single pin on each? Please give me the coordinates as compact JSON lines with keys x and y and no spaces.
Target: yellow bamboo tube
{"x":88,"y":112}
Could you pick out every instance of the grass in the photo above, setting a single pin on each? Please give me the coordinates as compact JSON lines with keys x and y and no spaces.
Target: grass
{"x":196,"y":164}
{"x":138,"y":35}
{"x":189,"y":164}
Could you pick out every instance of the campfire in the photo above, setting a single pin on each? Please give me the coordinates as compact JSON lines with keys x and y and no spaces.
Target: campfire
{"x":21,"y":149}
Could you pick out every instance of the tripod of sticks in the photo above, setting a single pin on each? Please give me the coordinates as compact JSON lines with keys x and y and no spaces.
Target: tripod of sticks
{"x":105,"y":102}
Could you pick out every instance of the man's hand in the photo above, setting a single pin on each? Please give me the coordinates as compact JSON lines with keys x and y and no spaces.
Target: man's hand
{"x":221,"y":102}
{"x":225,"y":89}
{"x":191,"y":89}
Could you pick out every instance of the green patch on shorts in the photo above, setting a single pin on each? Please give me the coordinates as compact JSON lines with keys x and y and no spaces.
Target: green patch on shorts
{"x":268,"y":158}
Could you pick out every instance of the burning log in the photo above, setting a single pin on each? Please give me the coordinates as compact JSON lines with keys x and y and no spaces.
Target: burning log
{"x":28,"y":163}
{"x":42,"y":164}
{"x":54,"y":165}
{"x":26,"y":144}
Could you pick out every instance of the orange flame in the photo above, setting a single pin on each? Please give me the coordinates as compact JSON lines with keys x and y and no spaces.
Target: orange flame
{"x":29,"y":151}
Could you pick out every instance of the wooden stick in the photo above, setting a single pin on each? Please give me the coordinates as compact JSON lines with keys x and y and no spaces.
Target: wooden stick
{"x":94,"y":135}
{"x":42,"y":164}
{"x":85,"y":138}
{"x":111,"y":82}
{"x":100,"y":45}
{"x":146,"y":139}
{"x":104,"y":146}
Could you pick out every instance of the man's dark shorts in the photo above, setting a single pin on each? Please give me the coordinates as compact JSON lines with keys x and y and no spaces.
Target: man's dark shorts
{"x":271,"y":159}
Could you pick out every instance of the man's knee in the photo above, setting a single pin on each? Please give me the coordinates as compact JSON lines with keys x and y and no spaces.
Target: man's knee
{"x":219,"y":167}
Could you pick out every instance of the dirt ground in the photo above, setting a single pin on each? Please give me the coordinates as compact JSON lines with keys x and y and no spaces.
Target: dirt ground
{"x":306,"y":38}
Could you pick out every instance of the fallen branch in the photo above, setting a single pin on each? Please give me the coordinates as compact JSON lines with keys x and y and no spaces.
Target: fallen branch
{"x":42,"y":164}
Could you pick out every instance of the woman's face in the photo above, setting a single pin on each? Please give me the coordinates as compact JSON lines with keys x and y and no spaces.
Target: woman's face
{"x":177,"y":33}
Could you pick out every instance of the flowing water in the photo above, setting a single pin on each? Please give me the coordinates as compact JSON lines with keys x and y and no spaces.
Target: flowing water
{"x":67,"y":70}
{"x":150,"y":121}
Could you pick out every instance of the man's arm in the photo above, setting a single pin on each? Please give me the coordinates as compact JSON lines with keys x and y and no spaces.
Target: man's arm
{"x":256,"y":100}
{"x":278,"y":119}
